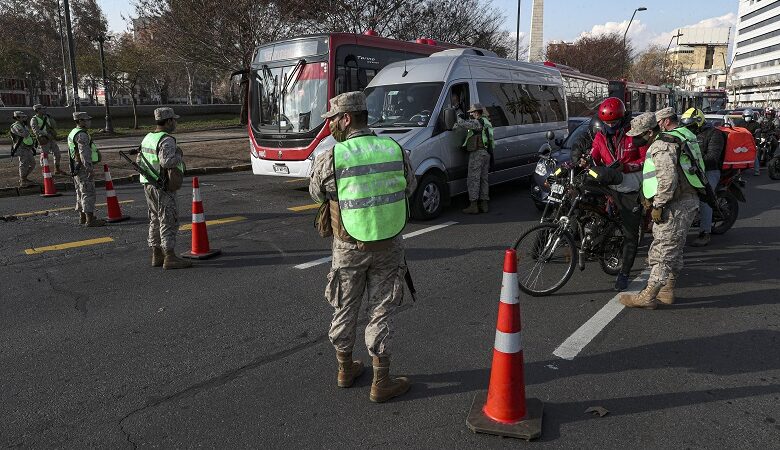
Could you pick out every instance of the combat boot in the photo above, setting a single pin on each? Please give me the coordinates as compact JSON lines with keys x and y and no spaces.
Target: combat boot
{"x":158,"y":257}
{"x":349,"y":370}
{"x":483,"y":206}
{"x":82,"y":218}
{"x":645,"y":299}
{"x":702,"y":240}
{"x":383,"y":388}
{"x":666,"y":294}
{"x":172,"y":262}
{"x":92,"y":221}
{"x":473,"y":208}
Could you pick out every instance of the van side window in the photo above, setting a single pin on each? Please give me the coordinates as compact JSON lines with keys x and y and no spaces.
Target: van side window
{"x":460,"y":92}
{"x":549,"y":103}
{"x":495,"y":97}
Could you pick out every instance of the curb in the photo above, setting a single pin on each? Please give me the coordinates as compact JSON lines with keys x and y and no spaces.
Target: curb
{"x":65,"y":186}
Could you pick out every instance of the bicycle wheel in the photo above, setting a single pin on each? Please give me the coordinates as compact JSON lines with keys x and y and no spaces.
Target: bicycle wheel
{"x":546,"y":256}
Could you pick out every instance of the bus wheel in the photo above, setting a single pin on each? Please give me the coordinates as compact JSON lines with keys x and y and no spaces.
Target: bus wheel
{"x":428,"y":200}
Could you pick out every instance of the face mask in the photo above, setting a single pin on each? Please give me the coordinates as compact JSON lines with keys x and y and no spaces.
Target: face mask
{"x":610,"y":130}
{"x":640,"y":141}
{"x":338,"y":135}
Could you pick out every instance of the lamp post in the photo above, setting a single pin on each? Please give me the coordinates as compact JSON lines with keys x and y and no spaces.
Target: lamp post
{"x":71,"y":55}
{"x":101,"y":39}
{"x":625,"y":61}
{"x":666,"y":53}
{"x":517,"y":40}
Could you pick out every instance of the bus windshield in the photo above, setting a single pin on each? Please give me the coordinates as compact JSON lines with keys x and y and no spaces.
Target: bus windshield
{"x":292,"y":98}
{"x":402,"y":105}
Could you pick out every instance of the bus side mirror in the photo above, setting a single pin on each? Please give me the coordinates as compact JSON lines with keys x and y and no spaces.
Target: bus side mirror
{"x":450,"y":117}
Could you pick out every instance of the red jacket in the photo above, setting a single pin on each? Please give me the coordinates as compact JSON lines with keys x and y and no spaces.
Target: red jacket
{"x":631,"y":157}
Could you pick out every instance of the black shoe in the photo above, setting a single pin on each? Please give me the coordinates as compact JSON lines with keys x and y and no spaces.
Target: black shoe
{"x":702,"y":240}
{"x":621,"y":283}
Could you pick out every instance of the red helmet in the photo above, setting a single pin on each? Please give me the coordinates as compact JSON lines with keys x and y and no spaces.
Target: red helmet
{"x":612,"y":109}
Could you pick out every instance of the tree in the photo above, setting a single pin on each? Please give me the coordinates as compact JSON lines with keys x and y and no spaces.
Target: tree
{"x":600,"y":55}
{"x":134,"y":63}
{"x":651,"y":66}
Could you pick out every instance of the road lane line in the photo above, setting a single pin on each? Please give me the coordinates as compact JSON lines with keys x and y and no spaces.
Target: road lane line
{"x":304,"y":207}
{"x":67,"y":245}
{"x":38,"y":213}
{"x":574,"y":344}
{"x":215,"y":222}
{"x":317,"y":262}
{"x":297,"y":180}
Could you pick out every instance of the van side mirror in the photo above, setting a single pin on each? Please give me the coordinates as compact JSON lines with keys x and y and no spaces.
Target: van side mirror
{"x":550,"y":135}
{"x":450,"y":117}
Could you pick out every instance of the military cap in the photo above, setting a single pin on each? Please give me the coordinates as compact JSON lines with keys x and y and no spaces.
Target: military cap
{"x":80,"y":115}
{"x":477,"y":107}
{"x":642,"y":123}
{"x":164,"y":113}
{"x":665,"y":113}
{"x":347,"y":102}
{"x":19,"y":114}
{"x":39,"y":107}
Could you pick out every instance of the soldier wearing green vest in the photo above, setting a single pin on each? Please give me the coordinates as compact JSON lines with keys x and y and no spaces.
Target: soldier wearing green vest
{"x":479,"y":143}
{"x":366,"y":181}
{"x":163,"y":159}
{"x":671,"y":185}
{"x":24,"y":146}
{"x":45,"y":130}
{"x":84,"y":155}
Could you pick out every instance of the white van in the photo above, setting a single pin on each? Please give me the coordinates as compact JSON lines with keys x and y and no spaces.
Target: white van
{"x":408,"y":101}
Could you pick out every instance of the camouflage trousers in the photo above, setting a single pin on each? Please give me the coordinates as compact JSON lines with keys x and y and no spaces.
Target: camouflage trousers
{"x":52,"y":149}
{"x":163,"y":217}
{"x":477,"y":181}
{"x":84,"y":182}
{"x":666,"y":252}
{"x":377,"y":276}
{"x":26,"y":162}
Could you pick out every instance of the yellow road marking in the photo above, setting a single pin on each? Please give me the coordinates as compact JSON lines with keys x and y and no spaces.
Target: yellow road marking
{"x":215,"y":222}
{"x":67,"y":245}
{"x":37,"y":213}
{"x":297,"y":180}
{"x":304,"y":207}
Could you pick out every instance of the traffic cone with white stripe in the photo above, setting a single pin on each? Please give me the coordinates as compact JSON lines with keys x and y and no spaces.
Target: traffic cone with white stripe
{"x":200,"y":238}
{"x":114,"y":212}
{"x":49,"y":190}
{"x":504,"y":410}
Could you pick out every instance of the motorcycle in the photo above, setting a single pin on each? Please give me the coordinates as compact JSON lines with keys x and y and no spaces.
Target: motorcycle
{"x":765,"y":149}
{"x":773,"y":167}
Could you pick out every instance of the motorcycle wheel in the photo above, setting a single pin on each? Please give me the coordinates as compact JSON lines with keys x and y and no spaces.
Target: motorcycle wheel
{"x":539,"y":276}
{"x":611,"y":261}
{"x":729,"y":207}
{"x":774,"y":168}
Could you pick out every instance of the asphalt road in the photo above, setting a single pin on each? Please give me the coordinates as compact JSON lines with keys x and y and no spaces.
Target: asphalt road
{"x":101,"y":350}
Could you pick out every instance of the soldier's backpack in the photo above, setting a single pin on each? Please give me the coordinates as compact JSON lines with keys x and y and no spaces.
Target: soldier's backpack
{"x":740,"y":151}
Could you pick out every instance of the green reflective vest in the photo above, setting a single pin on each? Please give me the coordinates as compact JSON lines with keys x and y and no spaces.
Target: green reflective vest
{"x":149,"y":148}
{"x":40,"y":121}
{"x":487,"y":134}
{"x":28,"y":141}
{"x":686,"y":137}
{"x":371,"y":186}
{"x":72,"y":145}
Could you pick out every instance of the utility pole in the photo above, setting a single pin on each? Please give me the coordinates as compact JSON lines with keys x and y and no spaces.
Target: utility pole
{"x":64,"y":60}
{"x":517,"y":41}
{"x":72,"y":56}
{"x":625,"y":51}
{"x":109,"y":129}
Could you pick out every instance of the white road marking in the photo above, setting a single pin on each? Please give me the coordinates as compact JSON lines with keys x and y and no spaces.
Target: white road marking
{"x":574,"y":344}
{"x":317,"y":262}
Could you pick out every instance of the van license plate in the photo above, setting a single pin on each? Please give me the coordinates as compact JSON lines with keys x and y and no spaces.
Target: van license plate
{"x":281,"y":168}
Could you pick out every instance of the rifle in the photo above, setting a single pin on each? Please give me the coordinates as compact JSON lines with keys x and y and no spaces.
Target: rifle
{"x":409,"y":282}
{"x":148,"y":171}
{"x":15,"y":146}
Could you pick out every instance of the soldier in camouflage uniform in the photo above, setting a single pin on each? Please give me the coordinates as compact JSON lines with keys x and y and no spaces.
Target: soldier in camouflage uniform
{"x":371,"y":269}
{"x":84,"y":155}
{"x":675,"y":205}
{"x":45,"y":129}
{"x":25,"y":150}
{"x":159,"y":150}
{"x":479,"y":144}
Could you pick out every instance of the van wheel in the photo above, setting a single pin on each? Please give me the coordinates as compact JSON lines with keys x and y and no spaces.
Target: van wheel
{"x":429,"y":197}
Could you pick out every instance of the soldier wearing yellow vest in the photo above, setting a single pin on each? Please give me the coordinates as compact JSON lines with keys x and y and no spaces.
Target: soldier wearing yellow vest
{"x":671,"y":186}
{"x":479,"y":144}
{"x":163,"y":159}
{"x":45,"y":129}
{"x":366,"y":181}
{"x":25,"y":148}
{"x":84,"y":155}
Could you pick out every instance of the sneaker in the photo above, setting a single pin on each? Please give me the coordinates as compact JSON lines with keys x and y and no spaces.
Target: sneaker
{"x":621,"y":283}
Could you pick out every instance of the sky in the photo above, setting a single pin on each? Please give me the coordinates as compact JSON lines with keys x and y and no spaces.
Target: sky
{"x":568,"y":19}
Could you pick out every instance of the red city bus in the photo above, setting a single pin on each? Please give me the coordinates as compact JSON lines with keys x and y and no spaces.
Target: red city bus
{"x":584,"y":92}
{"x":639,"y":97}
{"x":291,"y":82}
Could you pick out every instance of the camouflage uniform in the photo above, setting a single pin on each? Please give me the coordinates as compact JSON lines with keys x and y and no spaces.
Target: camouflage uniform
{"x":479,"y":161}
{"x":50,"y":132}
{"x":356,"y":272}
{"x":163,"y":218}
{"x":24,"y":152}
{"x":84,"y":180}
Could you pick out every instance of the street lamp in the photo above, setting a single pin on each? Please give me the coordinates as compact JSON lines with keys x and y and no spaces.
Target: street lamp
{"x":666,"y":53}
{"x":517,"y":41}
{"x":106,"y":93}
{"x":625,"y":62}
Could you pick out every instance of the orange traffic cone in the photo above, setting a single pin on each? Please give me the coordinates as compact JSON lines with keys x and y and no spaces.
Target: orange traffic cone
{"x":114,"y":212}
{"x":49,"y":190}
{"x":200,"y":237}
{"x":504,"y":410}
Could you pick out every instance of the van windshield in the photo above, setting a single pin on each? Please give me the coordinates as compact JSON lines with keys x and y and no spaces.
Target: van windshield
{"x":402,"y":105}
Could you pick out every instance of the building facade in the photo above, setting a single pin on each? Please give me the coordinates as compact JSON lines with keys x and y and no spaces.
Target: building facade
{"x":754,"y":76}
{"x":698,"y":62}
